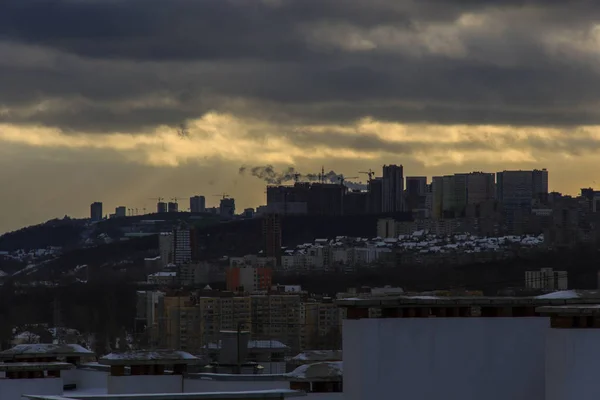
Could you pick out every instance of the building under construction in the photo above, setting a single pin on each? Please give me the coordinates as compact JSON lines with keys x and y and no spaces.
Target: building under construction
{"x":315,"y":198}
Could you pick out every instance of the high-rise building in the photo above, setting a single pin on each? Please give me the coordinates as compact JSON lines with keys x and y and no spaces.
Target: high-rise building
{"x":514,"y":189}
{"x":374,"y":198}
{"x":184,"y":245}
{"x":416,"y":190}
{"x":539,"y":182}
{"x":393,"y":188}
{"x":96,"y":211}
{"x":197,"y":204}
{"x":271,"y":231}
{"x":172,"y":206}
{"x":161,"y":207}
{"x":227,"y":207}
{"x":437,"y":188}
{"x":166,"y":248}
{"x":481,"y":187}
{"x":120,"y":212}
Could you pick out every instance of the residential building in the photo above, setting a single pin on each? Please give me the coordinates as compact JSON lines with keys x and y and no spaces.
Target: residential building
{"x":184,"y":245}
{"x":172,"y":207}
{"x":163,"y":278}
{"x":546,"y":279}
{"x":96,"y":211}
{"x":120,"y":211}
{"x":416,"y":191}
{"x":277,"y":317}
{"x":161,"y":207}
{"x":539,"y":181}
{"x":375,"y":196}
{"x":197,"y":204}
{"x":166,"y":248}
{"x":322,"y":325}
{"x":437,"y":189}
{"x":227,"y":208}
{"x":393,"y":188}
{"x":247,"y":278}
{"x":481,"y":187}
{"x":271,"y":232}
{"x":514,"y":189}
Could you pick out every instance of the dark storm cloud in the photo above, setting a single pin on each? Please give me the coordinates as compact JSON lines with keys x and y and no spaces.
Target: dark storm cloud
{"x":110,"y":62}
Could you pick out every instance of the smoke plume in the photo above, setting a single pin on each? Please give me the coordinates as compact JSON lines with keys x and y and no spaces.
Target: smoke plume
{"x":269,"y":175}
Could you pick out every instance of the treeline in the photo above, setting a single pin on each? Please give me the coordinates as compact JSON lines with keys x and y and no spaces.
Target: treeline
{"x":238,"y":238}
{"x":491,"y":277}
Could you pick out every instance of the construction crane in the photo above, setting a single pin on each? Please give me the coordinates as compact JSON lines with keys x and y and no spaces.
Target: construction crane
{"x":158,"y":199}
{"x":342,"y":178}
{"x":222,"y":195}
{"x":370,"y":173}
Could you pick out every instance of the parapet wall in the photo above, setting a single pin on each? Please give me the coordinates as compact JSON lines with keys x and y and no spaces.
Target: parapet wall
{"x":144,"y":384}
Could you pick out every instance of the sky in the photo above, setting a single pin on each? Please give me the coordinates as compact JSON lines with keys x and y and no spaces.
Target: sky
{"x":95,"y":93}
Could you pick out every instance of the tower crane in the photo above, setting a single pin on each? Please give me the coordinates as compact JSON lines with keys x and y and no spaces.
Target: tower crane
{"x":222,"y":195}
{"x":158,"y":199}
{"x":370,"y":173}
{"x":343,"y":179}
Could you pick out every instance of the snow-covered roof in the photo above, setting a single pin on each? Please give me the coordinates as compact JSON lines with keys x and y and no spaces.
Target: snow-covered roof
{"x":318,"y":355}
{"x":563,"y":294}
{"x":51,"y":350}
{"x":254,"y":344}
{"x":164,"y":274}
{"x":318,"y":372}
{"x":149,"y":357}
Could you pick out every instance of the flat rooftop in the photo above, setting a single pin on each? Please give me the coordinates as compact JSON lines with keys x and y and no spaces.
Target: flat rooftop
{"x":258,"y":394}
{"x":45,"y":350}
{"x":147,"y":357}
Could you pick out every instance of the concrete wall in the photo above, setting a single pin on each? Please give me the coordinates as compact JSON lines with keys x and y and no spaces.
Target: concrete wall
{"x":205,"y":385}
{"x":451,"y":358}
{"x":143,"y":384}
{"x":13,"y":389}
{"x":88,"y":378}
{"x":572,"y":364}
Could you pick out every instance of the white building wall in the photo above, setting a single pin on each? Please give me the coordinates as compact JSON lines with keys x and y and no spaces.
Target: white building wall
{"x":144,"y":384}
{"x":88,"y":378}
{"x":572,"y":364}
{"x":445,"y":358}
{"x":13,"y":389}
{"x":206,"y":385}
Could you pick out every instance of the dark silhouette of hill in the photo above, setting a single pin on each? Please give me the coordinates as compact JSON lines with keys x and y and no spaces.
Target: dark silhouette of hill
{"x":64,"y":232}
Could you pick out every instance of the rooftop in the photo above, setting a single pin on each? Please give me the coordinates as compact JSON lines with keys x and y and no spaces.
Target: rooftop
{"x":36,"y":366}
{"x":258,"y":394}
{"x":320,"y":372}
{"x":318,"y":355}
{"x":140,"y":357}
{"x":45,"y":349}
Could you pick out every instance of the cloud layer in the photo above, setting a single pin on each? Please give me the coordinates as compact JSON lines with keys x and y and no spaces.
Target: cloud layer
{"x":301,"y":82}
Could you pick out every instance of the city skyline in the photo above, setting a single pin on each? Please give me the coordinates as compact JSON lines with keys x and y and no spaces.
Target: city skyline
{"x":283,"y":177}
{"x":138,"y":109}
